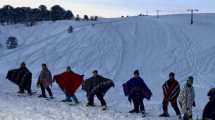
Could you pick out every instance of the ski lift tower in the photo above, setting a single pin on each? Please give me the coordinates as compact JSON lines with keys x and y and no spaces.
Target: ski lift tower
{"x":191,"y":14}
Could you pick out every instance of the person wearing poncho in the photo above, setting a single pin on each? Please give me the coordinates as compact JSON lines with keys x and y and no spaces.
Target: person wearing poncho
{"x":137,"y":90}
{"x":21,"y":77}
{"x":69,"y":82}
{"x":97,"y":85}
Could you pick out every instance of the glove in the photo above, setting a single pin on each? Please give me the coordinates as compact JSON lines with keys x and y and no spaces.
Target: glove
{"x":194,"y":104}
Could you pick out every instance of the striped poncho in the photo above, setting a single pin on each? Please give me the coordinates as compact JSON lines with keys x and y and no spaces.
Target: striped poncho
{"x":171,"y":89}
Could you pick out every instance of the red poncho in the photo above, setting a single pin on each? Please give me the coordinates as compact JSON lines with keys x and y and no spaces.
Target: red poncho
{"x":69,"y":82}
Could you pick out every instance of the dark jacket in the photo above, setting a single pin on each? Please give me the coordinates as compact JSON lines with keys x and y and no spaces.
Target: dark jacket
{"x":137,"y":87}
{"x":209,"y":111}
{"x":171,"y":90}
{"x":21,"y":77}
{"x":97,"y":84}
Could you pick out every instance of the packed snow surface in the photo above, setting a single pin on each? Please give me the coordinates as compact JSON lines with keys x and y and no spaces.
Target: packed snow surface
{"x":115,"y":47}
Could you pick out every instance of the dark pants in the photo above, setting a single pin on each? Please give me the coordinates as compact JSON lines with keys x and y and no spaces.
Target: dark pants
{"x":174,"y":105}
{"x":99,"y":96}
{"x":43,"y":89}
{"x":138,"y":104}
{"x":25,"y":85}
{"x":21,"y":89}
{"x":68,"y":97}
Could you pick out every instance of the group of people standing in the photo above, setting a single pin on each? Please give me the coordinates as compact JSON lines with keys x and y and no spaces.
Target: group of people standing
{"x":97,"y":85}
{"x":184,"y":96}
{"x":68,"y":81}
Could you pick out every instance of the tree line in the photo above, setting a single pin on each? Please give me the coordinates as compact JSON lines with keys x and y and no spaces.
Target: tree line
{"x":29,"y":16}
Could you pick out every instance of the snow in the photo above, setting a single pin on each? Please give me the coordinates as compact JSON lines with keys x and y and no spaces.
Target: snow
{"x":116,"y":47}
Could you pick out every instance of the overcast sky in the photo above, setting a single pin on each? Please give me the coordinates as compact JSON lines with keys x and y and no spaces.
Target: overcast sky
{"x":113,"y":8}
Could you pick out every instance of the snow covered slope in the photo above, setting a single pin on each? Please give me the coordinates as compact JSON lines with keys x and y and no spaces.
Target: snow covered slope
{"x":116,"y":47}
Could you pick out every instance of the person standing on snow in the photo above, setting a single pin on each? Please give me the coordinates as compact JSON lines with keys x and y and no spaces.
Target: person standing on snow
{"x":68,"y":97}
{"x":137,"y":90}
{"x":209,"y":110}
{"x":21,"y":77}
{"x":97,"y":86}
{"x":171,"y":90}
{"x":187,"y":99}
{"x":44,"y":81}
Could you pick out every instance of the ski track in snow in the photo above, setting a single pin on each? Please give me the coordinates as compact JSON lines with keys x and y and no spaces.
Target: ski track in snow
{"x":115,"y":47}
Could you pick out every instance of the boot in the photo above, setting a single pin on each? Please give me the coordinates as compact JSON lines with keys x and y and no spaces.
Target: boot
{"x":21,"y":92}
{"x":67,"y":100}
{"x":42,"y":96}
{"x":179,"y":117}
{"x":165,"y":114}
{"x":90,"y":105}
{"x":104,"y":107}
{"x":134,"y":111}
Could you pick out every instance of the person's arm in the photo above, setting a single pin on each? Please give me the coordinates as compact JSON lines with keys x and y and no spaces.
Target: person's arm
{"x":50,"y":78}
{"x":165,"y":91}
{"x":194,"y":95}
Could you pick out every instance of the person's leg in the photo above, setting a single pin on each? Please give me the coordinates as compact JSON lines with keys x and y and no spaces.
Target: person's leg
{"x":29,"y":91}
{"x":175,"y":107}
{"x":90,"y":100}
{"x":101,"y":99}
{"x":43,"y":91}
{"x":49,"y":91}
{"x":142,"y":107}
{"x":68,"y":97}
{"x":28,"y":86}
{"x":21,"y":89}
{"x":75,"y":99}
{"x":165,"y":106}
{"x":136,"y":104}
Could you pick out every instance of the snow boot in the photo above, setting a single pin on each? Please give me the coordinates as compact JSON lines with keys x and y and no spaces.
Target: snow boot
{"x":179,"y":117}
{"x":21,"y":92}
{"x":51,"y":97}
{"x":134,"y":111}
{"x":90,"y":105}
{"x":104,"y":107}
{"x":164,"y":115}
{"x":143,"y":113}
{"x":67,"y":100}
{"x":42,"y":96}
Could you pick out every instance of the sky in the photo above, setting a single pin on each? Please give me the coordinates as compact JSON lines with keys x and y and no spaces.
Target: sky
{"x":115,"y":8}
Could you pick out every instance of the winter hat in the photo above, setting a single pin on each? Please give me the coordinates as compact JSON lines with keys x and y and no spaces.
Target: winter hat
{"x":68,"y":68}
{"x":172,"y":74}
{"x":95,"y":71}
{"x":190,"y":78}
{"x":211,"y":93}
{"x":23,"y":63}
{"x":44,"y":65}
{"x":136,"y":72}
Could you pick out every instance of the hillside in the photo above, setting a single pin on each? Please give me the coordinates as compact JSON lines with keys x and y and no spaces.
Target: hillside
{"x":116,"y":47}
